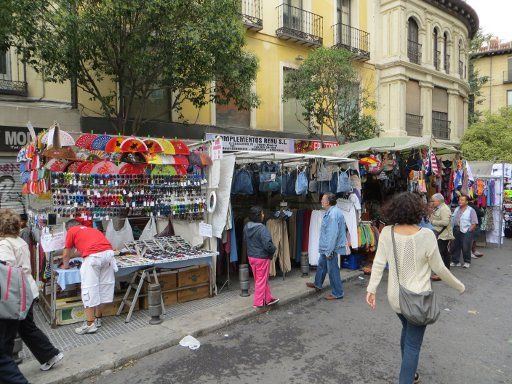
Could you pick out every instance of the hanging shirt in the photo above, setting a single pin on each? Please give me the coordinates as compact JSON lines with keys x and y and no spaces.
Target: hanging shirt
{"x":351,"y":208}
{"x":313,"y":242}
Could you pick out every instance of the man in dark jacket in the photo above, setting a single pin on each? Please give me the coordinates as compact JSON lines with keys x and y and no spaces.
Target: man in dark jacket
{"x":260,"y":250}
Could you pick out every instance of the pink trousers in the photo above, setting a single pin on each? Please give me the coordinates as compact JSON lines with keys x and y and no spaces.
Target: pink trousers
{"x":260,"y":270}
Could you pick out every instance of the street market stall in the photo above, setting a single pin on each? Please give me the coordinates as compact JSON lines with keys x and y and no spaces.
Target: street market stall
{"x":389,"y":165}
{"x":149,"y":196}
{"x":288,"y":187}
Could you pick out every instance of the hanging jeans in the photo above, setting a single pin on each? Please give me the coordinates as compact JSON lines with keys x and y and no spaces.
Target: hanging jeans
{"x":260,"y":271}
{"x":410,"y":345}
{"x":463,"y":242}
{"x":329,"y":266}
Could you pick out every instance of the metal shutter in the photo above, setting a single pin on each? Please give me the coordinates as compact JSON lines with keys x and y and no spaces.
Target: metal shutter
{"x":10,"y":185}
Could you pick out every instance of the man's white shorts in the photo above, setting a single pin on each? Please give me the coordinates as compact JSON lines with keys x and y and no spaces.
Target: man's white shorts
{"x":98,"y":280}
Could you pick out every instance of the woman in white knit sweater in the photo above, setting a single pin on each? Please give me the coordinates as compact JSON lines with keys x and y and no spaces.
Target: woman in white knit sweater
{"x":418,"y":255}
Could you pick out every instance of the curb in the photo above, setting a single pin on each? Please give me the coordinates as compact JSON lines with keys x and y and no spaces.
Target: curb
{"x":167,"y":342}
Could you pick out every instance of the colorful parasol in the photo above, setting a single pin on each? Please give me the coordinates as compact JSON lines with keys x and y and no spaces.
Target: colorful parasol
{"x":132,"y":169}
{"x":133,"y":145}
{"x":153,"y":146}
{"x":180,"y":147}
{"x":164,"y":170}
{"x":87,"y":166}
{"x":74,"y":166}
{"x":85,"y":140}
{"x":167,"y":146}
{"x":114,"y":144}
{"x":181,"y":160}
{"x":63,"y":139}
{"x":105,"y":167}
{"x":100,"y":142}
{"x":56,"y":165}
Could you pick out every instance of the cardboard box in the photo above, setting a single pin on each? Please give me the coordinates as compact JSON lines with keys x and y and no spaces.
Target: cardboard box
{"x":193,"y":276}
{"x":193,"y":294}
{"x":69,"y":312}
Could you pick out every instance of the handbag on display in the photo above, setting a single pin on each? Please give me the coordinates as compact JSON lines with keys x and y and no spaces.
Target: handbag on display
{"x":418,"y":308}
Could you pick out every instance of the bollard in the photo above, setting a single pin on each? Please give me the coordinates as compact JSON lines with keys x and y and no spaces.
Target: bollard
{"x":304,"y":264}
{"x":244,"y":279}
{"x":18,"y":346}
{"x":155,"y":303}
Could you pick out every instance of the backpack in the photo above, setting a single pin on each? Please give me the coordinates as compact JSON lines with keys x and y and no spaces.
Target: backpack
{"x":15,"y":293}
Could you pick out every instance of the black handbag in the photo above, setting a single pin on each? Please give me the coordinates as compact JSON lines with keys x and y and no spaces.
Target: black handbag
{"x":418,"y":308}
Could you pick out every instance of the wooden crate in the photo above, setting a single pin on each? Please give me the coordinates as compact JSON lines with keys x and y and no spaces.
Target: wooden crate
{"x":193,"y":276}
{"x":195,"y":293}
{"x":170,"y":298}
{"x":69,"y":311}
{"x":110,"y":309}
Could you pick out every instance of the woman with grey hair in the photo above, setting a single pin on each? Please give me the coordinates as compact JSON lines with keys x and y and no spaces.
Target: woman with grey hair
{"x":441,"y":220}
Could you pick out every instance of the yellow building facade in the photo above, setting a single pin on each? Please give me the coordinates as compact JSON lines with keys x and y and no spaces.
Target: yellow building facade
{"x":494,"y":61}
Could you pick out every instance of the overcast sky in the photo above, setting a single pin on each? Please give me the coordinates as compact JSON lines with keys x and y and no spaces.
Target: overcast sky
{"x":495,"y":17}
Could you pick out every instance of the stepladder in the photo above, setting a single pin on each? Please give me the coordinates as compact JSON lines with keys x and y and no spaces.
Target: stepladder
{"x":136,"y":283}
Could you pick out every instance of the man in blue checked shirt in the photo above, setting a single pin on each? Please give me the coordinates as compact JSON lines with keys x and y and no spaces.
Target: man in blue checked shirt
{"x":333,"y":240}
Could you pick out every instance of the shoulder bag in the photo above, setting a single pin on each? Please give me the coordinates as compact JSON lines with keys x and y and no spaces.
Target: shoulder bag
{"x":418,"y":308}
{"x":15,"y":293}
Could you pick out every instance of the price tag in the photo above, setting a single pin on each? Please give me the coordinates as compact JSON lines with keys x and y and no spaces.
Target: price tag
{"x":205,"y":230}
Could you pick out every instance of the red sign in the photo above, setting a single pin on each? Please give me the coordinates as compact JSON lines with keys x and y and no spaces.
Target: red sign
{"x":303,"y":146}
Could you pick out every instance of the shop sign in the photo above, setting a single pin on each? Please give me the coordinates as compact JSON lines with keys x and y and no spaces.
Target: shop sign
{"x":217,"y":149}
{"x":13,"y":138}
{"x":231,"y":143}
{"x":303,"y":146}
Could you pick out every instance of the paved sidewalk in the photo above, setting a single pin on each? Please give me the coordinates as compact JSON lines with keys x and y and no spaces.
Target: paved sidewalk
{"x":117,"y":343}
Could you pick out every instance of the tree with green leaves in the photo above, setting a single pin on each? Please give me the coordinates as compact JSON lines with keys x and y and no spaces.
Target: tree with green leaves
{"x":327,"y":86}
{"x":490,"y":138}
{"x":120,"y":52}
{"x":5,"y":23}
{"x":476,"y":82}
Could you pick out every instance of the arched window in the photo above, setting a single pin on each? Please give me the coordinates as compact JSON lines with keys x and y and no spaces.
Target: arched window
{"x":437,"y":54}
{"x":413,"y":45}
{"x":446,"y":55}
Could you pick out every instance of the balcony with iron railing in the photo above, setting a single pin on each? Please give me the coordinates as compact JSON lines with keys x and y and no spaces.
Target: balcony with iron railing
{"x":507,"y":76}
{"x":352,"y":39}
{"x":447,"y":63}
{"x":437,"y":60}
{"x":298,"y":25}
{"x":252,"y":16}
{"x":414,"y":51}
{"x":414,"y":124}
{"x":441,"y":128}
{"x":15,"y":88}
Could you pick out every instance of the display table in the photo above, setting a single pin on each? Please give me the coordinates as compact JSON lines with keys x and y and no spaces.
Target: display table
{"x":65,"y":277}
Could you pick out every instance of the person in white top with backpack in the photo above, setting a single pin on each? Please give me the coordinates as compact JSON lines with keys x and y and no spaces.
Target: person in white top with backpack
{"x":17,"y":292}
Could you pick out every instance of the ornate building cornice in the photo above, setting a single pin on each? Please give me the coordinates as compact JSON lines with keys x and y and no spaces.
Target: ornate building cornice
{"x":461,"y":10}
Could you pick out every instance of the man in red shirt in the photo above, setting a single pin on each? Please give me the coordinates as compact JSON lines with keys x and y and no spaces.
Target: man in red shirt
{"x":96,"y":273}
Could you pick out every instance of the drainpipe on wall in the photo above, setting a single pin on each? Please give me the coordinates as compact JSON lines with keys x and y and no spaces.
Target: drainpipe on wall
{"x":490,"y":87}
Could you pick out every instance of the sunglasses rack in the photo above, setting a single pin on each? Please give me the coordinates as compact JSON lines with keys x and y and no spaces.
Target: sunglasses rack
{"x":158,"y":250}
{"x":103,"y":196}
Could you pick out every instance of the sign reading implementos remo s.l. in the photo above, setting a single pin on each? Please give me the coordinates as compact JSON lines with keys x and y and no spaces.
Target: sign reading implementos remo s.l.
{"x":253,"y":143}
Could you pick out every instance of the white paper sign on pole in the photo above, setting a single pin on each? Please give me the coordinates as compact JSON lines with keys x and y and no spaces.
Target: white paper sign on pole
{"x":205,"y":230}
{"x":53,"y":241}
{"x":217,"y":149}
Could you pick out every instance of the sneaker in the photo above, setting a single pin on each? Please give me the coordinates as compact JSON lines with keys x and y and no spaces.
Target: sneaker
{"x":84,"y":329}
{"x":50,"y":363}
{"x":466,"y":265}
{"x":97,"y":322}
{"x":273,"y":301}
{"x":452,"y":264}
{"x":416,"y":378}
{"x":473,"y":256}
